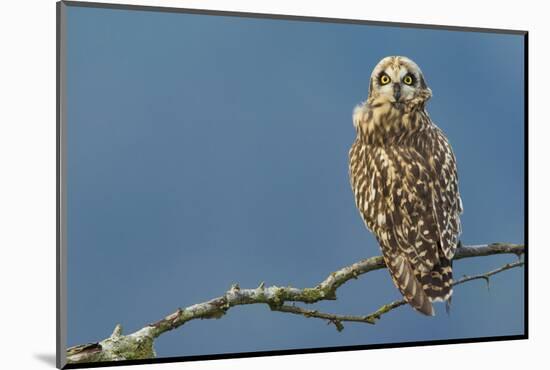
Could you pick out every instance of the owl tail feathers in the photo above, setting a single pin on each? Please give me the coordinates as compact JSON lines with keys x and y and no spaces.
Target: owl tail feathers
{"x":410,"y":287}
{"x":438,"y":283}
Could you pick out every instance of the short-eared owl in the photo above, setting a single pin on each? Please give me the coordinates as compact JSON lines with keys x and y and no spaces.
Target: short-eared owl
{"x":404,"y":178}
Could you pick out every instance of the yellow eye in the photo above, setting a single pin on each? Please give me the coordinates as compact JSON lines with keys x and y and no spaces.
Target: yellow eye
{"x":384,"y":80}
{"x":408,"y":80}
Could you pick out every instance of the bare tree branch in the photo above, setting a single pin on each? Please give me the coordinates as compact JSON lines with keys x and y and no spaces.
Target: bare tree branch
{"x":487,"y":275}
{"x":332,"y":318}
{"x":139,"y":345}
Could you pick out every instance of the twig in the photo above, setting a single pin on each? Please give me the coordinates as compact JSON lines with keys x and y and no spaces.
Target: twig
{"x":332,"y":318}
{"x":487,"y":275}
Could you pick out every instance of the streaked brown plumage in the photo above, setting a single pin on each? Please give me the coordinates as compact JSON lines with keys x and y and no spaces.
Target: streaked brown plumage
{"x":404,"y":178}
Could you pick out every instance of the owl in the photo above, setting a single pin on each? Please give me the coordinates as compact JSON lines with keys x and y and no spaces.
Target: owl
{"x":404,"y":178}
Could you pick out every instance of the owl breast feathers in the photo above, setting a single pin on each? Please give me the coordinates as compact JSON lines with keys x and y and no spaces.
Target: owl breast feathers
{"x":404,"y":178}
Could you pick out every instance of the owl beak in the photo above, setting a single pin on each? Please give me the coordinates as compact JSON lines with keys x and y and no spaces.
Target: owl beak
{"x":397,"y":92}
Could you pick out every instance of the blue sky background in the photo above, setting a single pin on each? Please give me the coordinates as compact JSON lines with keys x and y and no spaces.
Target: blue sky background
{"x":206,"y":150}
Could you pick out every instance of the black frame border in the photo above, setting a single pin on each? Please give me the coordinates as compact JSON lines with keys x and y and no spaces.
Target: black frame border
{"x":61,"y":262}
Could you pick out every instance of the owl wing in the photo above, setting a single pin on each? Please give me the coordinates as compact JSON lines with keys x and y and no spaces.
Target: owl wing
{"x":402,"y":201}
{"x":411,"y":223}
{"x":392,"y":188}
{"x":447,"y":203}
{"x":392,"y":191}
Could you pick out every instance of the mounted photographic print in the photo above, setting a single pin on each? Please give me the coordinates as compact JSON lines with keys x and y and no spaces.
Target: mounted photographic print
{"x":235,"y":184}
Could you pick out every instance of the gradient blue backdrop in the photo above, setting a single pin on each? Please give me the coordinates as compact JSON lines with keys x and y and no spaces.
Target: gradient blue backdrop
{"x":206,"y":150}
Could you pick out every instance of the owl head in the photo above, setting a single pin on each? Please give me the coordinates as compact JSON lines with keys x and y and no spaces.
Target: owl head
{"x":398,"y":79}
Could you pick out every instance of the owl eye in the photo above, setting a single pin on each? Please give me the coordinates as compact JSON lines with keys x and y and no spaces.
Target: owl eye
{"x":384,"y":79}
{"x":408,"y":80}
